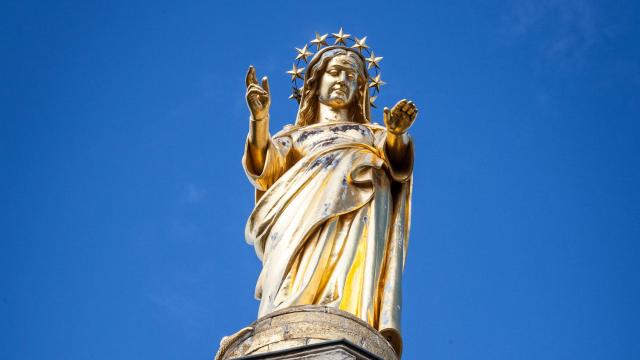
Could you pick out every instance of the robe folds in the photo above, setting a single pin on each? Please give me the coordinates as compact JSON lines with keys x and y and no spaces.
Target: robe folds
{"x":331,"y":223}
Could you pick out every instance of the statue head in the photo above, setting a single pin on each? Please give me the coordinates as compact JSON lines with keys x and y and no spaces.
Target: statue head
{"x":336,"y":77}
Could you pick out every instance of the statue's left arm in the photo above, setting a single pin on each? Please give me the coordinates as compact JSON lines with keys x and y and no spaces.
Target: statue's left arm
{"x":398,"y":146}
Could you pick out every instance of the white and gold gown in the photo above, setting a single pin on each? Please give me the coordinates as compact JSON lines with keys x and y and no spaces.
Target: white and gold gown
{"x":331,"y":222}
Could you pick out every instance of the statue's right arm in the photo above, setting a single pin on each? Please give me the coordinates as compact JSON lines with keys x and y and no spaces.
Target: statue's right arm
{"x":258,"y":100}
{"x":258,"y":141}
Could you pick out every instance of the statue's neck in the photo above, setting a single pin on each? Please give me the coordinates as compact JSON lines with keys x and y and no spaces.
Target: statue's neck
{"x":328,"y":114}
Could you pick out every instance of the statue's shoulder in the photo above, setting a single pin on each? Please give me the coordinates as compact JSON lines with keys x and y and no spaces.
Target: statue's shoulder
{"x":287,"y":130}
{"x":375,"y":127}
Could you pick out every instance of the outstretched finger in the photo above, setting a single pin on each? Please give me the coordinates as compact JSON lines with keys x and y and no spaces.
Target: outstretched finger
{"x":265,"y":84}
{"x":407,"y":106}
{"x":400,"y":104}
{"x":254,"y":77}
{"x":251,"y":76}
{"x":247,"y":79}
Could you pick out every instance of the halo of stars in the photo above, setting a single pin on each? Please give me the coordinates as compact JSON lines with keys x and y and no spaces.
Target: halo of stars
{"x":340,"y":39}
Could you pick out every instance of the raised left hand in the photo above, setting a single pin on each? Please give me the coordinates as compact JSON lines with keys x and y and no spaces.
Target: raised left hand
{"x":400,"y":118}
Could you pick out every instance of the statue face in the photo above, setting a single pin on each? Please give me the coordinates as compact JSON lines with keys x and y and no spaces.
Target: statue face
{"x":339,"y":83}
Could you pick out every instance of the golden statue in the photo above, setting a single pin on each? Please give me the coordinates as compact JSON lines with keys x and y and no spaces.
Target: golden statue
{"x":333,"y":191}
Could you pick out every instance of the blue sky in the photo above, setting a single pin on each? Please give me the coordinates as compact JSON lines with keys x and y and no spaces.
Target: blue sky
{"x":123,"y":198}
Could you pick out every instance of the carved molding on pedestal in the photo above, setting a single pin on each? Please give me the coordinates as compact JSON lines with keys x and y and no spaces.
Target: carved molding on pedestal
{"x":307,"y":332}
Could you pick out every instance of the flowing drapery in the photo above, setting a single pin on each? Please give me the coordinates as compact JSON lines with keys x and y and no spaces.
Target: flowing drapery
{"x":331,"y":224}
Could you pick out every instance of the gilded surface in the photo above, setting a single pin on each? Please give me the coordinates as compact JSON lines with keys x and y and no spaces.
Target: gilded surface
{"x":300,"y":326}
{"x":333,"y":193}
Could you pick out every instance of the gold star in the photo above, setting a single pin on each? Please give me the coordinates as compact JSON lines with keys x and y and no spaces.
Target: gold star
{"x":296,"y":94}
{"x":376,"y":82}
{"x":360,"y":44}
{"x":295,"y":72}
{"x":341,"y":37}
{"x":371,"y":100}
{"x":373,"y":61}
{"x":319,"y":41}
{"x":303,"y":53}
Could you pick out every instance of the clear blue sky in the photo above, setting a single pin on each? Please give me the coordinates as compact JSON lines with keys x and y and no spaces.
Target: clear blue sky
{"x":123,"y":201}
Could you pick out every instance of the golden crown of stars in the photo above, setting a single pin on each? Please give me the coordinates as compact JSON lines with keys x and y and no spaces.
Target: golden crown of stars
{"x":341,"y":39}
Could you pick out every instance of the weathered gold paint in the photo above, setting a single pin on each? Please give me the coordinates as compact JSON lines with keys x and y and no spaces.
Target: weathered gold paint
{"x":333,"y":196}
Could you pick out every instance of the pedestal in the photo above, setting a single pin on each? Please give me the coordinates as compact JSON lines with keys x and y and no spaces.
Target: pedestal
{"x":307,"y":332}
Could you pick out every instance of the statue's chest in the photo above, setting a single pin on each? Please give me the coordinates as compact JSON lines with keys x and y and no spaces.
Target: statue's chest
{"x":319,"y":137}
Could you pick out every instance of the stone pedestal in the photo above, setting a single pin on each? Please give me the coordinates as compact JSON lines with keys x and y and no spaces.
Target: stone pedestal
{"x":307,"y":332}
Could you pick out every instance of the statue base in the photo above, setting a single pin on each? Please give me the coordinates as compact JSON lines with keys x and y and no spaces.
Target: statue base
{"x":307,"y":332}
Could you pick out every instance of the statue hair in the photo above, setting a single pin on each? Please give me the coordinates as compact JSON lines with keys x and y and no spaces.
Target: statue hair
{"x":308,"y":110}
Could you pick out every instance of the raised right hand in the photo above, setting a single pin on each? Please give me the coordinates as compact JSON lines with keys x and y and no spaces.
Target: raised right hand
{"x":258,"y":97}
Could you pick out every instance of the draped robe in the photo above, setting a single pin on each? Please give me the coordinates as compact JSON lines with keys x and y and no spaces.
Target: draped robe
{"x":331,"y":222}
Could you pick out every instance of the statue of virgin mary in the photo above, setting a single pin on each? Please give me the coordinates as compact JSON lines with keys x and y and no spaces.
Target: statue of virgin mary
{"x":333,"y":195}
